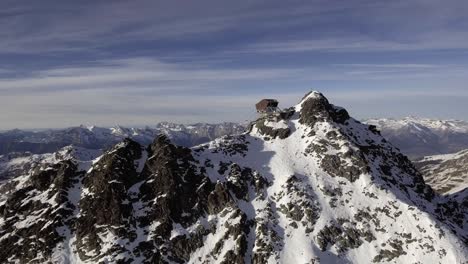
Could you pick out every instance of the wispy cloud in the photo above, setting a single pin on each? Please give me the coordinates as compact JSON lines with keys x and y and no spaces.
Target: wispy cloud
{"x":310,"y":26}
{"x":143,"y":74}
{"x":130,"y":61}
{"x":391,"y":65}
{"x":139,"y":72}
{"x":361,"y":44}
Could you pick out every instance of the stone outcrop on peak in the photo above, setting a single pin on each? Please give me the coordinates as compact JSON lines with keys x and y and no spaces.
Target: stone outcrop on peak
{"x":309,"y":184}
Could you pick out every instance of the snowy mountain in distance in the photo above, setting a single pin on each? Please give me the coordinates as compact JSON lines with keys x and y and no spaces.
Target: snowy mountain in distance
{"x":415,"y":137}
{"x":418,"y":137}
{"x":17,"y":164}
{"x":92,"y":137}
{"x":311,"y":185}
{"x":447,"y":173}
{"x":195,"y":134}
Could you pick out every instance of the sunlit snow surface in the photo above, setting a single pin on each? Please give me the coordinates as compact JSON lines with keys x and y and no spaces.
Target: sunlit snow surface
{"x":295,"y":176}
{"x":279,"y":159}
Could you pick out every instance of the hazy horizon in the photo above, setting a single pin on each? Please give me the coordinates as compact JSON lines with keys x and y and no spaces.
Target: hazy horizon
{"x":153,"y":124}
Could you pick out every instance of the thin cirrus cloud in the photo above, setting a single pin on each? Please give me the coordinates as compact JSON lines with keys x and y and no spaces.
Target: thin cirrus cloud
{"x":137,"y":62}
{"x":136,"y":71}
{"x":318,"y":25}
{"x":456,"y":40}
{"x":144,"y":72}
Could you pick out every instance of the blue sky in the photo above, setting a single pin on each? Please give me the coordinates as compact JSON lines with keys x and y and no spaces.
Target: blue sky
{"x":65,"y":63}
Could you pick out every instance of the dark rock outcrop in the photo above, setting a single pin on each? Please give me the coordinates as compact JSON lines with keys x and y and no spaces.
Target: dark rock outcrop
{"x":36,"y":213}
{"x":316,"y":108}
{"x":104,"y":206}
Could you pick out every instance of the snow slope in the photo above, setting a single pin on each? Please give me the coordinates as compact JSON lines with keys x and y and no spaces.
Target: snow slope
{"x":310,"y":185}
{"x":397,"y":212}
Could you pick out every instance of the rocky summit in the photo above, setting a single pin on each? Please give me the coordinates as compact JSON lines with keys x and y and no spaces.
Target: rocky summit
{"x":307,"y":185}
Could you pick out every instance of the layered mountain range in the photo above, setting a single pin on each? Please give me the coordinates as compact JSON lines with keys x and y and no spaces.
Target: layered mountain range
{"x":307,"y":185}
{"x":92,"y":137}
{"x":418,"y":137}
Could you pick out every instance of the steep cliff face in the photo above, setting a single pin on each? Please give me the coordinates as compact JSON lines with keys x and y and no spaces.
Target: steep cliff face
{"x":311,"y":185}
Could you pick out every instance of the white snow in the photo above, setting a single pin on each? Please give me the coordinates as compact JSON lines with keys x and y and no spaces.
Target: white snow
{"x":276,"y":125}
{"x":420,"y":124}
{"x":140,"y":163}
{"x":277,"y":160}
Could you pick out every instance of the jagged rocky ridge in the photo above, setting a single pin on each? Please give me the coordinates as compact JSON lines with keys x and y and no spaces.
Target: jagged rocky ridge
{"x":311,"y":185}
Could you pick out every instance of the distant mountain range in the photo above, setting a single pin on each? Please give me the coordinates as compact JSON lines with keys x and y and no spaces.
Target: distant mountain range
{"x":415,"y":137}
{"x":418,"y":137}
{"x":438,"y":148}
{"x":93,"y":137}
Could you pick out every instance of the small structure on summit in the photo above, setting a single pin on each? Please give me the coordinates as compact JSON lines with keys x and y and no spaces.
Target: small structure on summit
{"x":267,"y":106}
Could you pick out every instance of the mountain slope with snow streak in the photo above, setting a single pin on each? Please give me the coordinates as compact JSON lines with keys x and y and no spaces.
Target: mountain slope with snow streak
{"x":418,"y":137}
{"x":24,"y":163}
{"x":446,"y":173}
{"x":310,"y":185}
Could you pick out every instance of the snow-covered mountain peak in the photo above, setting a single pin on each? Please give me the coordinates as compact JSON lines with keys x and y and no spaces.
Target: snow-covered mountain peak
{"x":316,"y":148}
{"x":307,"y":185}
{"x":313,"y":107}
{"x":311,"y":94}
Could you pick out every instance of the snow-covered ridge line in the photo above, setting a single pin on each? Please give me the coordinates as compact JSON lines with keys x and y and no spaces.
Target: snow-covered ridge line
{"x":308,"y":185}
{"x":460,"y":126}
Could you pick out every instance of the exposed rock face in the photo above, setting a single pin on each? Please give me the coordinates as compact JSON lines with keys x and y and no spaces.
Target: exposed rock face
{"x":104,"y":205}
{"x":33,"y":215}
{"x":448,"y":175}
{"x":329,"y":190}
{"x":455,"y":208}
{"x":282,"y":132}
{"x":273,"y":125}
{"x":316,"y":108}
